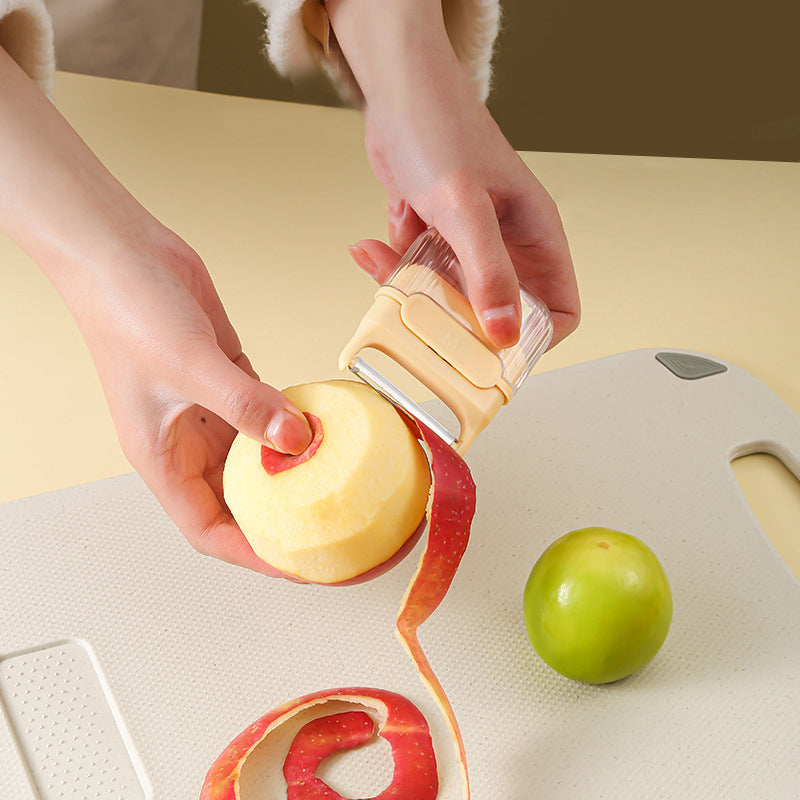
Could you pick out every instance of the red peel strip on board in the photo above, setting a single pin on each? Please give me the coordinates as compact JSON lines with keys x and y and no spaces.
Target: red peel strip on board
{"x":274,"y":461}
{"x":450,"y":510}
{"x":314,"y":742}
{"x":401,"y":724}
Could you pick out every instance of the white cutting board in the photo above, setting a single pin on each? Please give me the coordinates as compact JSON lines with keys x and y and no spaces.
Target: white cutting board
{"x":127,"y":661}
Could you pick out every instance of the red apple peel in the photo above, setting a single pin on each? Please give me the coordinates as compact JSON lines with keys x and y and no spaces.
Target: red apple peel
{"x":450,"y":511}
{"x":401,"y":724}
{"x":274,"y":461}
{"x":451,"y":507}
{"x":314,"y":742}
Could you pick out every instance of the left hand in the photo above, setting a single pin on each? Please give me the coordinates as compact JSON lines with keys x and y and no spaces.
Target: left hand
{"x":178,"y":384}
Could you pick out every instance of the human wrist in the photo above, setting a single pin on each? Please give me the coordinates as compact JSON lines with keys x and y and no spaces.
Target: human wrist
{"x":393,"y":49}
{"x":95,"y":242}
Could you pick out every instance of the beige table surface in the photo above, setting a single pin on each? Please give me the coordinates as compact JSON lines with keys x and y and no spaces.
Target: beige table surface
{"x":694,"y":254}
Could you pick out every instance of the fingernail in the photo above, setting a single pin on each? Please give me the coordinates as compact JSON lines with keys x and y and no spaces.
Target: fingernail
{"x":363,"y":259}
{"x":502,"y":325}
{"x":288,"y":433}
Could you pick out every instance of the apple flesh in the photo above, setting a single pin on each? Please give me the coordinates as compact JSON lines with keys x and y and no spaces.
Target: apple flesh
{"x":349,"y":507}
{"x":597,"y":605}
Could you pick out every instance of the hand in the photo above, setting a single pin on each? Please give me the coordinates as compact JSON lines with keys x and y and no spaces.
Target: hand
{"x":171,"y":366}
{"x":455,"y":171}
{"x":179,"y":387}
{"x":445,"y":163}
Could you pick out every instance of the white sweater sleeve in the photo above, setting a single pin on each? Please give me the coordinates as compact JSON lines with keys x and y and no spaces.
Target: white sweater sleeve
{"x":299,"y":39}
{"x":26,"y":33}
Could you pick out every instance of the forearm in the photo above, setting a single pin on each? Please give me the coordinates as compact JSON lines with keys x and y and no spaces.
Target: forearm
{"x":57,"y":200}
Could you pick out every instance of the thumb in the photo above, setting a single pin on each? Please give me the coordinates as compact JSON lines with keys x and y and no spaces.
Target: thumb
{"x":254,"y":408}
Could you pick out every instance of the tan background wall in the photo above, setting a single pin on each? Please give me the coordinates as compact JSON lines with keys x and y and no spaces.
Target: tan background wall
{"x":704,"y":79}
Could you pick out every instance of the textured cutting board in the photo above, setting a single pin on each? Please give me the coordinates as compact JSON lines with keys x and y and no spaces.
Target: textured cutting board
{"x":127,"y":661}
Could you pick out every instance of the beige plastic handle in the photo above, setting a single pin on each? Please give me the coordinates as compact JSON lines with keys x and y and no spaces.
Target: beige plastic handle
{"x":424,"y":339}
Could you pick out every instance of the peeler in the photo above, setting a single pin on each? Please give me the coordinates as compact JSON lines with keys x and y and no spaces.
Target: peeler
{"x":422,"y":321}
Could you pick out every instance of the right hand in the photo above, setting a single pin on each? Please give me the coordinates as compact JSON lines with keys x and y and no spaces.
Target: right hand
{"x":444,"y":162}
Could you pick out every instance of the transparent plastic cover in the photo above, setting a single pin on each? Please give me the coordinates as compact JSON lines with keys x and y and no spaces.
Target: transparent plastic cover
{"x":430,"y":267}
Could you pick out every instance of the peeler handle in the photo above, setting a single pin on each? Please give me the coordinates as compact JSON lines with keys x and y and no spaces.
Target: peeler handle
{"x":422,"y":320}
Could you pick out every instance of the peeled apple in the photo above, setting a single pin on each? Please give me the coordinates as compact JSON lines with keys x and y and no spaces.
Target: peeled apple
{"x":346,"y":505}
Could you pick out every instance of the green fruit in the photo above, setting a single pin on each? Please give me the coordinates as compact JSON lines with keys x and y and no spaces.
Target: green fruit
{"x":597,"y":605}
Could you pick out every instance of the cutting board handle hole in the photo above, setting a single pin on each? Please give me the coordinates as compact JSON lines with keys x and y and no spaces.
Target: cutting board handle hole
{"x":773,"y":493}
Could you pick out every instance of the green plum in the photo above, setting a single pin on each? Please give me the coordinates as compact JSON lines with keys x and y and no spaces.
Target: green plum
{"x":597,"y":605}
